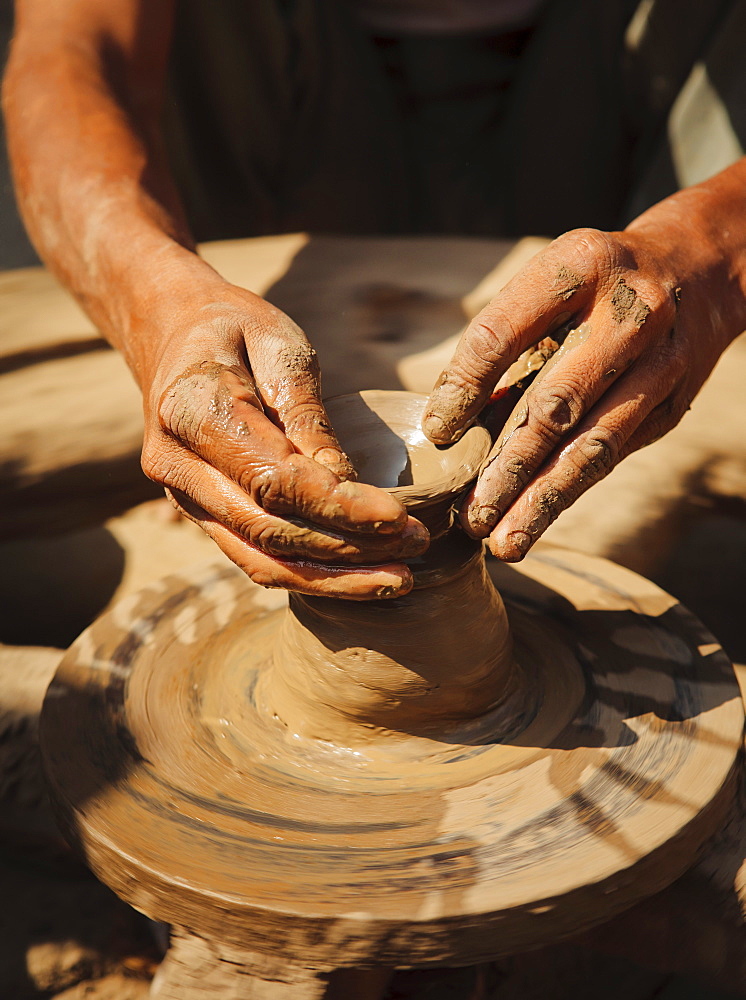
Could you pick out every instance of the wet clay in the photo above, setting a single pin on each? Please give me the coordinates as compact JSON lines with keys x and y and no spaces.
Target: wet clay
{"x":626,"y":304}
{"x":344,"y":672}
{"x":567,"y":283}
{"x":499,"y":759}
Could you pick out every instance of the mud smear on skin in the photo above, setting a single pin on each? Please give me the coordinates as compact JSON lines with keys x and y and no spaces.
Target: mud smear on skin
{"x":523,"y":377}
{"x":568,"y":283}
{"x":627,"y":304}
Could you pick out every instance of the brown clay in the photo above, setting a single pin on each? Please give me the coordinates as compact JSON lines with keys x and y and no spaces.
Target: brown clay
{"x":399,"y":783}
{"x":344,"y":674}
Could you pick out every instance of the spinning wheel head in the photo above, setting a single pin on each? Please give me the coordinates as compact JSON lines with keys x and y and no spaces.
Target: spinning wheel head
{"x":434,"y":793}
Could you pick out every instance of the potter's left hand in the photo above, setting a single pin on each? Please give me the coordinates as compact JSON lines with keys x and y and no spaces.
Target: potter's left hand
{"x":650,"y":310}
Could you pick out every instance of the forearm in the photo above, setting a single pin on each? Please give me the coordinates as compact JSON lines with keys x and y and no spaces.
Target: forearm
{"x":92,"y":184}
{"x":234,"y":426}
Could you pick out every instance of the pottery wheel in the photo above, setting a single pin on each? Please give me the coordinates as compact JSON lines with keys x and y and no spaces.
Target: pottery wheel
{"x":202,"y":810}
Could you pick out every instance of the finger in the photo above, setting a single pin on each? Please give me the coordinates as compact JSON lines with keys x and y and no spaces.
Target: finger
{"x":214,"y":410}
{"x":287,"y":368}
{"x":193,"y":481}
{"x":564,"y":390}
{"x":600,"y":443}
{"x":662,"y":419}
{"x":362,"y":584}
{"x":543,"y":295}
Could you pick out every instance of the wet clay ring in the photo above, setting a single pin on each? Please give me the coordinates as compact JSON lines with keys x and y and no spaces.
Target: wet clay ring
{"x":501,"y":758}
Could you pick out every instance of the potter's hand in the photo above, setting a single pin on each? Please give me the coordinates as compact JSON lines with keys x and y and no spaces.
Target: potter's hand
{"x":236,"y":432}
{"x":648,"y":310}
{"x":233,"y":424}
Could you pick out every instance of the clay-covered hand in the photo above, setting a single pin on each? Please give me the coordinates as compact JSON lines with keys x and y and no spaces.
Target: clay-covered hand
{"x":236,"y":432}
{"x":639,"y":319}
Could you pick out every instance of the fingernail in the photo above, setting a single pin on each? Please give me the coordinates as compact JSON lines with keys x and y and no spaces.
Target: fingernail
{"x":512,"y":546}
{"x":415,"y":540}
{"x":392,"y":586}
{"x":333,"y":459}
{"x":483,"y":518}
{"x":436,"y":429}
{"x":372,"y":509}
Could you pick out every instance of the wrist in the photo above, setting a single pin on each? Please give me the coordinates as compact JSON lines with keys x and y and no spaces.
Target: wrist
{"x":177,"y":305}
{"x":700,"y":236}
{"x":144,"y":280}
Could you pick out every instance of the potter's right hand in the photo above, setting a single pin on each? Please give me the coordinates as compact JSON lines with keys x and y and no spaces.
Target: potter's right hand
{"x":236,"y":432}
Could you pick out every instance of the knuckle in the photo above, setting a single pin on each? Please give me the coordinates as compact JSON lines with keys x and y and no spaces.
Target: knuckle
{"x":240,"y":520}
{"x":626,"y":305}
{"x":201,"y":389}
{"x":484,"y":350}
{"x":456,"y":387}
{"x":582,"y":236}
{"x":470,"y":371}
{"x":157,"y":466}
{"x":176,"y":413}
{"x":262,"y":485}
{"x":550,"y":503}
{"x":265,"y":537}
{"x":592,"y":250}
{"x":652,"y":302}
{"x":555,"y":409}
{"x":492,"y":332}
{"x":275,"y":488}
{"x":659,"y":300}
{"x":679,"y":366}
{"x":597,"y":452}
{"x":270,"y":321}
{"x":151,"y":467}
{"x":517,"y":471}
{"x":306,"y":414}
{"x":290,"y":350}
{"x":299,"y":358}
